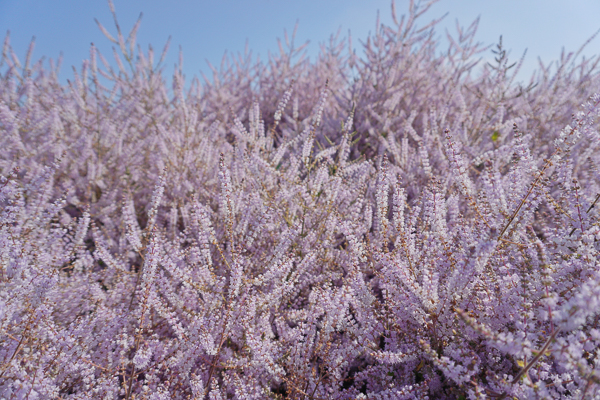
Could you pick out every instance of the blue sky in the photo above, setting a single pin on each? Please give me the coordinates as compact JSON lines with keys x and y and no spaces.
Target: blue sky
{"x":206,"y":29}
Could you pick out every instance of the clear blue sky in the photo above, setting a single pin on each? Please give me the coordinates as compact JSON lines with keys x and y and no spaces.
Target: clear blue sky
{"x":206,"y":29}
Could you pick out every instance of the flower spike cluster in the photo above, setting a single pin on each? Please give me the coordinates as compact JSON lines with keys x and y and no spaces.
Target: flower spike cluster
{"x":409,"y":227}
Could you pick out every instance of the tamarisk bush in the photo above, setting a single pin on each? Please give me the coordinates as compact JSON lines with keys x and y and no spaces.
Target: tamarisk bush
{"x":392,"y":226}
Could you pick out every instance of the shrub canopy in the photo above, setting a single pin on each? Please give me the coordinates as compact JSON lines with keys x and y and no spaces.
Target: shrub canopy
{"x":395,"y":225}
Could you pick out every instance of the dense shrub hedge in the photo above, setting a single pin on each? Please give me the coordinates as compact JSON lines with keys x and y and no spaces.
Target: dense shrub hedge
{"x":403,"y":224}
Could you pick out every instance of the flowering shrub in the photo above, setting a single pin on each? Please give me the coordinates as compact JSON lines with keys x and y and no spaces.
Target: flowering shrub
{"x":387,"y":227}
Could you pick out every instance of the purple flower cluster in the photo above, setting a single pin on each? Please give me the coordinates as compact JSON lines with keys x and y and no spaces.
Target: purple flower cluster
{"x":395,"y":226}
